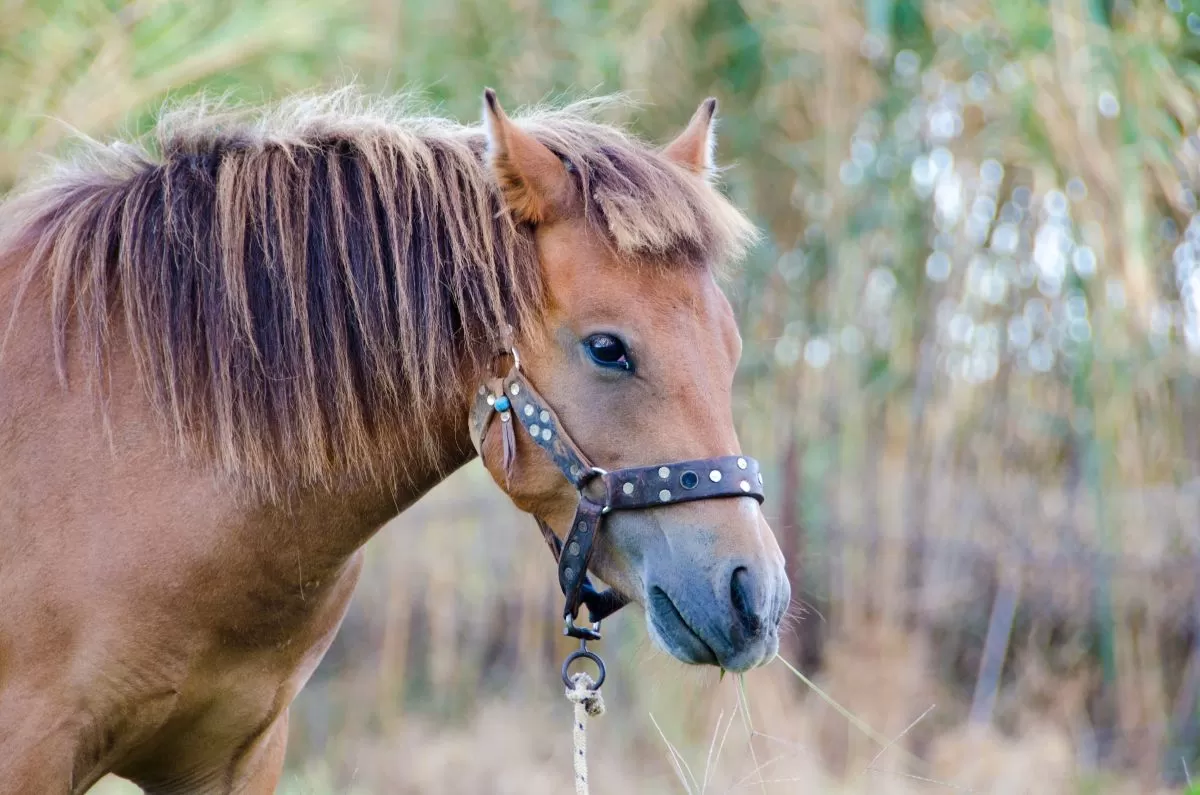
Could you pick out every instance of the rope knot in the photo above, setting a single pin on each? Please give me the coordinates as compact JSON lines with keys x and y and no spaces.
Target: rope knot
{"x":584,"y":693}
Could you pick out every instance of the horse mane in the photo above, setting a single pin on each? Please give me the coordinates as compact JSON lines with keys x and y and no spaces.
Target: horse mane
{"x":304,"y":288}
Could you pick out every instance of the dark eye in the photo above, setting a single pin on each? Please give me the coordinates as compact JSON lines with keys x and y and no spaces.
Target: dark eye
{"x":608,"y":351}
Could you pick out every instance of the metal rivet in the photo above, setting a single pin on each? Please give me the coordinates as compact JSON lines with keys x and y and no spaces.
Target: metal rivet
{"x":664,"y":472}
{"x":535,"y":429}
{"x":544,"y":416}
{"x":664,"y":495}
{"x":627,"y":488}
{"x":745,"y":485}
{"x":546,"y":434}
{"x":573,"y":549}
{"x":582,"y":527}
{"x":741,"y":463}
{"x":515,"y":389}
{"x":491,"y":400}
{"x":505,"y":416}
{"x":715,"y":476}
{"x":575,"y":471}
{"x":568,"y":572}
{"x":528,"y":410}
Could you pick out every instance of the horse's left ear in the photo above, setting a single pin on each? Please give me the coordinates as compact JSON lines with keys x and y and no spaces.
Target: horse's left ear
{"x":534,"y":181}
{"x":693,"y":149}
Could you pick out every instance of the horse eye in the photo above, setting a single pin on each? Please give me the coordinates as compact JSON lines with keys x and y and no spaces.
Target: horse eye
{"x":608,"y":351}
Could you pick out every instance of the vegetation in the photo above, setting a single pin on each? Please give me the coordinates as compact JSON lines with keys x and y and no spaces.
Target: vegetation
{"x":971,"y":340}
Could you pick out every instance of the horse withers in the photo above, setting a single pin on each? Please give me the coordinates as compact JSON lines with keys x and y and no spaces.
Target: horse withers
{"x":227,"y":364}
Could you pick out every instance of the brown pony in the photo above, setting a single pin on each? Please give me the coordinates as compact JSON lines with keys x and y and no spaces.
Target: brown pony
{"x":230,"y":363}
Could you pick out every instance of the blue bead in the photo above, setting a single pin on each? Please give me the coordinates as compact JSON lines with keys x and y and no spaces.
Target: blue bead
{"x":502,"y":403}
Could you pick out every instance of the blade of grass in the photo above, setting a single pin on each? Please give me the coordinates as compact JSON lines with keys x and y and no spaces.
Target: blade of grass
{"x":899,"y":736}
{"x":862,"y":726}
{"x":854,"y":720}
{"x":710,"y":766}
{"x":744,"y":708}
{"x":678,"y":762}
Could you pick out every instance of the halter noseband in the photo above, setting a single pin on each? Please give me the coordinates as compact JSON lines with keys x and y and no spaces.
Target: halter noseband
{"x":514,"y":400}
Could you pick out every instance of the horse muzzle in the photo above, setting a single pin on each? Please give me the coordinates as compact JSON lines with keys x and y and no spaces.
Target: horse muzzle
{"x":730,"y":620}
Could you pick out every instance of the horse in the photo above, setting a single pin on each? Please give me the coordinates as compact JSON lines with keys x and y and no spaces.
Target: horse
{"x":237,"y":347}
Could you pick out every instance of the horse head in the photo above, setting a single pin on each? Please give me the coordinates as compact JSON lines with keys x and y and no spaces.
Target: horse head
{"x":636,"y":352}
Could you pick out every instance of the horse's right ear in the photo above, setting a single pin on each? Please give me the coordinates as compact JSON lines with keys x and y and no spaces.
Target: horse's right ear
{"x":534,"y":181}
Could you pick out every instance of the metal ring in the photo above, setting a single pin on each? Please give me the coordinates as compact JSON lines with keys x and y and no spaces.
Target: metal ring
{"x":575,"y":655}
{"x":591,"y":474}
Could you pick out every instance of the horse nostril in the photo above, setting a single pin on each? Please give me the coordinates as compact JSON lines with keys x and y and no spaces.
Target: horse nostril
{"x":742,"y":596}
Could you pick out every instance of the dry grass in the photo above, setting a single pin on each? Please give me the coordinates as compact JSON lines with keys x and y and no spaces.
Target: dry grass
{"x":445,"y":680}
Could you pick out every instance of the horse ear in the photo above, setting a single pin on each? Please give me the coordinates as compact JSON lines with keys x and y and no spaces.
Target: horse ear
{"x":693,"y":149}
{"x":534,"y":181}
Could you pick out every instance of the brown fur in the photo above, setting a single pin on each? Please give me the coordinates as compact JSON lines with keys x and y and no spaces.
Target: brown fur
{"x":300,"y":285}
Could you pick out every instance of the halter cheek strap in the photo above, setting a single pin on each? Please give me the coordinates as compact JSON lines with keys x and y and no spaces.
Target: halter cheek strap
{"x":514,"y":402}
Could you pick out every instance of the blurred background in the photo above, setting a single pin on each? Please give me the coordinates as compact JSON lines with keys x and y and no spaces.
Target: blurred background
{"x":970,"y":373}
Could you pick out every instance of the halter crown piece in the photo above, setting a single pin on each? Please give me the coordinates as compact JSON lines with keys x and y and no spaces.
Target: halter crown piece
{"x":516,"y":403}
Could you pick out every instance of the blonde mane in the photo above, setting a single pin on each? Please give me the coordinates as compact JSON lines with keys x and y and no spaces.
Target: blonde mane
{"x":304,"y":288}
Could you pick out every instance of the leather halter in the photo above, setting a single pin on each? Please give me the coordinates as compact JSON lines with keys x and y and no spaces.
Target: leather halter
{"x":514,"y":401}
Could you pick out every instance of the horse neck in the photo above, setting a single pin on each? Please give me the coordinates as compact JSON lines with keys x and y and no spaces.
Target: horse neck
{"x":339,"y":520}
{"x":63,"y":436}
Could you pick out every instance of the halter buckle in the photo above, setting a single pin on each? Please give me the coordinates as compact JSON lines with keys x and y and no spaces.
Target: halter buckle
{"x":584,"y":634}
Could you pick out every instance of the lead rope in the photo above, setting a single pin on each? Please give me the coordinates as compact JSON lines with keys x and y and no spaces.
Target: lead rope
{"x":588,"y":702}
